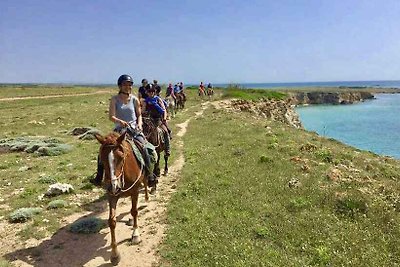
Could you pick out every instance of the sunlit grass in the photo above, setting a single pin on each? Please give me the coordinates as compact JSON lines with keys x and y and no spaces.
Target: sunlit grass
{"x":234,"y":206}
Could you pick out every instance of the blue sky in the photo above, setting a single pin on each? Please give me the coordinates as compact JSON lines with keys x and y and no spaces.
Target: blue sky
{"x":191,"y":41}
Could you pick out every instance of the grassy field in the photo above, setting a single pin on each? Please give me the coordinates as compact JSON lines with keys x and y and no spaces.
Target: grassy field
{"x":252,"y":192}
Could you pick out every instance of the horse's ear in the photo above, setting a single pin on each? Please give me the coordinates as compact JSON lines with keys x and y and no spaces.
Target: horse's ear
{"x":99,"y":138}
{"x":121,"y":138}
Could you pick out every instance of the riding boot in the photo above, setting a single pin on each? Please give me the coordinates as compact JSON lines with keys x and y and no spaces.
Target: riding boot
{"x":99,"y":176}
{"x":151,"y":179}
{"x":168,"y":129}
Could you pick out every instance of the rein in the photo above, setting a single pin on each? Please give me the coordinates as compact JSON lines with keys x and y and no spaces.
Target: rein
{"x":121,"y":176}
{"x":153,"y":130}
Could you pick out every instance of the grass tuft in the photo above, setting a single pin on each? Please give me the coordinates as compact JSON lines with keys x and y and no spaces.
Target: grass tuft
{"x":351,"y":206}
{"x":23,"y":214}
{"x":57,"y":204}
{"x":90,"y":225}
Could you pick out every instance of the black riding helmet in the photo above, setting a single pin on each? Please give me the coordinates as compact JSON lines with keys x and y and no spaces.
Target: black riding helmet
{"x":124,"y":78}
{"x":144,"y":81}
{"x":150,"y":88}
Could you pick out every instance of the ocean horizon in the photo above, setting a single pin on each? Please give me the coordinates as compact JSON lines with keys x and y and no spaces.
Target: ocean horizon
{"x":357,"y":84}
{"x":267,"y":85}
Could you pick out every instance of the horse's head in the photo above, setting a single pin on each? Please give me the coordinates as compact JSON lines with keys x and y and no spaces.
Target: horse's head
{"x":113,"y":154}
{"x":150,"y":130}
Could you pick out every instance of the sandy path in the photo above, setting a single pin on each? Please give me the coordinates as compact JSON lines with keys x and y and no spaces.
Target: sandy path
{"x":67,"y":249}
{"x":51,"y":96}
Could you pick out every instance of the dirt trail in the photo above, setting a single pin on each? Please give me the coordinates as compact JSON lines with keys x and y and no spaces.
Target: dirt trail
{"x":67,"y":249}
{"x":51,"y":96}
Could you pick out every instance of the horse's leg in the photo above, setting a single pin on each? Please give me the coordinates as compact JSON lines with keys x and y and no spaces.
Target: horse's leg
{"x":146,"y":190}
{"x":112,"y":222}
{"x":134,"y":213}
{"x":157,"y":165}
{"x":166,"y":164}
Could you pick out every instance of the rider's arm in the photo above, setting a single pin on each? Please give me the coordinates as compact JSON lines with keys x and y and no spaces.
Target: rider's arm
{"x":112,"y":114}
{"x":161,"y":103}
{"x":138,"y":114}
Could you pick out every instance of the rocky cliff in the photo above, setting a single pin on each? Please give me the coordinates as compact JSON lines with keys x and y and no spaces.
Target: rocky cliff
{"x":277,"y":110}
{"x":301,"y":98}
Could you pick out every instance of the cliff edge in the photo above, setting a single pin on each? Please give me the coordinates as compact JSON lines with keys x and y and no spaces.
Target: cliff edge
{"x":335,"y":98}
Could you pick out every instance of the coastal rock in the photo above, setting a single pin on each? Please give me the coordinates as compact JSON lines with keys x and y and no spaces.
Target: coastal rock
{"x":276,"y":110}
{"x":303,"y":98}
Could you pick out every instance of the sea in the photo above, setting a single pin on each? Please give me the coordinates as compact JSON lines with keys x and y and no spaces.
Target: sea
{"x":372,"y":125}
{"x":355,"y":84}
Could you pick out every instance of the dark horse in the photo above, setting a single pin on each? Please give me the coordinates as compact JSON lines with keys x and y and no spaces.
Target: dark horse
{"x":155,"y":135}
{"x":124,"y":175}
{"x":180,"y":100}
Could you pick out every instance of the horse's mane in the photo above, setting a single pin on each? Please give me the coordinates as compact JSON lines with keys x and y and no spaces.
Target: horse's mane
{"x":111,"y":138}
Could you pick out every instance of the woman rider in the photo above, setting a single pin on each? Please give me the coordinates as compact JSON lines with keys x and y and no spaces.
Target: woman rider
{"x":154,"y":106}
{"x":125,"y":112}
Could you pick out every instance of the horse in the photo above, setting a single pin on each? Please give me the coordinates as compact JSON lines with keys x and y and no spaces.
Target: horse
{"x":124,"y":176}
{"x":155,"y":135}
{"x":171,"y":106}
{"x":210,"y":92}
{"x":201,"y":92}
{"x":180,"y":100}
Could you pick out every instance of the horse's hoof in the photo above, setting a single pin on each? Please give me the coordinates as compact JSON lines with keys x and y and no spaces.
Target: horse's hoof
{"x":165,"y":172}
{"x":153,"y":190}
{"x":129,"y":222}
{"x":115,"y":259}
{"x":136,"y":240}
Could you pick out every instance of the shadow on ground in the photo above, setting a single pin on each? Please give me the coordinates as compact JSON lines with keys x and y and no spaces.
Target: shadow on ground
{"x":65,"y":248}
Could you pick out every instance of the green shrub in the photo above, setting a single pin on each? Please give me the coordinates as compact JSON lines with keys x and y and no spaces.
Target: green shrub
{"x":56,"y":204}
{"x":23,"y":214}
{"x":351,"y":206}
{"x":298,"y":204}
{"x":321,"y":256}
{"x":324,"y":155}
{"x":47,"y":180}
{"x":266,"y":159}
{"x":261,"y":232}
{"x":89,"y":225}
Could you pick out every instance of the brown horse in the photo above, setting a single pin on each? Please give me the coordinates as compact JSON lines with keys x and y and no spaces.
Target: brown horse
{"x":155,"y":135}
{"x":180,"y":100}
{"x":124,"y":175}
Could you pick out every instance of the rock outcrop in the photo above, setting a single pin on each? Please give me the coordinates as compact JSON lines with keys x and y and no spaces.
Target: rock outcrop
{"x":301,"y":98}
{"x":277,"y":110}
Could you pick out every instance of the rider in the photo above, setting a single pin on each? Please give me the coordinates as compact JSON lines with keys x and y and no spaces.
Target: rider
{"x":157,"y":87}
{"x":210,"y":90}
{"x":170,"y":92}
{"x":182,"y":91}
{"x":125,"y":112}
{"x":155,"y":108}
{"x":201,"y":89}
{"x":142,"y":89}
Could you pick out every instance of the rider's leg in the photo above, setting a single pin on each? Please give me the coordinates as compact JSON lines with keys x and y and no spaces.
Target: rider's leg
{"x":100,"y":171}
{"x":146,"y":157}
{"x":165,"y":123}
{"x":166,"y":140}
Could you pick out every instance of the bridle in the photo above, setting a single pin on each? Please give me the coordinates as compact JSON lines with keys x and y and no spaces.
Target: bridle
{"x":121,"y":176}
{"x":153,"y":130}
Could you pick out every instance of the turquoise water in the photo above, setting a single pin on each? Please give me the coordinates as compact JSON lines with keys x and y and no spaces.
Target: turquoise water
{"x":372,"y":125}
